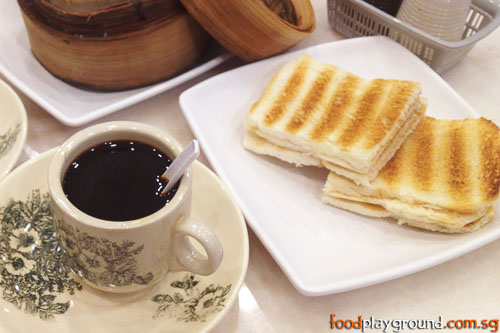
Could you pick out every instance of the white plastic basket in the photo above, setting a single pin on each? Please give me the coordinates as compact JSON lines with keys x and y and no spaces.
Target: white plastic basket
{"x":355,"y":18}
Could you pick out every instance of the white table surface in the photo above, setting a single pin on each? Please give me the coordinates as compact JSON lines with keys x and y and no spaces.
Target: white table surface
{"x":465,"y":288}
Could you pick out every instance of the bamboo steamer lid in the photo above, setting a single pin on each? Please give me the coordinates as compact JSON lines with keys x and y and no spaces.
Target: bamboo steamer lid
{"x":254,"y":29}
{"x":124,"y":45}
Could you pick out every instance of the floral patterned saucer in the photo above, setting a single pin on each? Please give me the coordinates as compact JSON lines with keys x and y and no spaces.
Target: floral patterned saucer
{"x":39,"y":294}
{"x":13,"y":128}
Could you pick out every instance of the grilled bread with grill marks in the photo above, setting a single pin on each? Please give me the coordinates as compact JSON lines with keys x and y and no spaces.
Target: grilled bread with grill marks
{"x":445,"y":177}
{"x":333,"y":118}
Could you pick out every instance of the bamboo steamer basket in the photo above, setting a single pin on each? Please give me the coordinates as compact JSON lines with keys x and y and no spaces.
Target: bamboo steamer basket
{"x":117,"y":47}
{"x":82,"y":5}
{"x":254,"y":29}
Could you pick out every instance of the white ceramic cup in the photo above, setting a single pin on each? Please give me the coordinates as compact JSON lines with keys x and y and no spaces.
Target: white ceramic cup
{"x":130,"y":255}
{"x":444,"y":19}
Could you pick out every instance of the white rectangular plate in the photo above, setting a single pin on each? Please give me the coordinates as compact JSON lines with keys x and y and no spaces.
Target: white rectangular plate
{"x":70,"y":105}
{"x":320,"y":248}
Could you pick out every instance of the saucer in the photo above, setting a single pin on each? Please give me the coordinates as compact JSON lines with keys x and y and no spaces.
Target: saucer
{"x":13,"y":128}
{"x":38,"y":293}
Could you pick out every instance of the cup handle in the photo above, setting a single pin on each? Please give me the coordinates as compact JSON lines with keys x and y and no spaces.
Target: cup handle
{"x":190,"y":259}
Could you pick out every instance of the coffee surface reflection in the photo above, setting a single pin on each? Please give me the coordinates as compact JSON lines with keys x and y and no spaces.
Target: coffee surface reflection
{"x":118,"y":181}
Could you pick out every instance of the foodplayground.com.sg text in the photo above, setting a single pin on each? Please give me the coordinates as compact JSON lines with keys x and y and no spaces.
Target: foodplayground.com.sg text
{"x":397,"y":325}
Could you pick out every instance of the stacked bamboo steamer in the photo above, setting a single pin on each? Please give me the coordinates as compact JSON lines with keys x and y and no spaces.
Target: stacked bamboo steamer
{"x":116,"y":47}
{"x":123,"y":44}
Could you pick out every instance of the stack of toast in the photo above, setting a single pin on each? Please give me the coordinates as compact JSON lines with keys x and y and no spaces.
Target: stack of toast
{"x":318,"y":114}
{"x":387,"y":159}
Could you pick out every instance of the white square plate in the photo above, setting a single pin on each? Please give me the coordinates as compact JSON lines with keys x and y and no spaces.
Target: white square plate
{"x":70,"y":105}
{"x":320,"y":248}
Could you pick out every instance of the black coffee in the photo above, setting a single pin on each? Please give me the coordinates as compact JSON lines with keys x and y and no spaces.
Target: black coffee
{"x":118,"y":181}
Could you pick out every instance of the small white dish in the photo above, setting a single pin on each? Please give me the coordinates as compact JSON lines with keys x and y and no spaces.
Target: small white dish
{"x":320,"y":248}
{"x":13,"y":128}
{"x":37,"y":296}
{"x":70,"y":105}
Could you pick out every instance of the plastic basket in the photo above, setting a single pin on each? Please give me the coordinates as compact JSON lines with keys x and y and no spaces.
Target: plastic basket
{"x":355,"y":18}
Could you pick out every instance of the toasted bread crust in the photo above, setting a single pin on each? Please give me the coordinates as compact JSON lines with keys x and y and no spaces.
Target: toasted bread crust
{"x":365,"y":111}
{"x":489,"y":148}
{"x":452,"y":164}
{"x":390,"y":173}
{"x":309,"y":104}
{"x":397,"y":98}
{"x":339,"y":103}
{"x":423,"y":155}
{"x":292,"y":87}
{"x":457,"y":164}
{"x":376,"y":210}
{"x":332,"y":114}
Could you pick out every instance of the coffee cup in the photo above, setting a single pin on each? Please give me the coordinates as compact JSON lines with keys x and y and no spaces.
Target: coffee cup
{"x":124,"y":254}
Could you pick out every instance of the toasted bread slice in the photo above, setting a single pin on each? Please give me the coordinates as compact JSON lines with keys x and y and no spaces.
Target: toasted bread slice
{"x":339,"y":118}
{"x":446,"y":177}
{"x":375,"y":210}
{"x":259,"y":145}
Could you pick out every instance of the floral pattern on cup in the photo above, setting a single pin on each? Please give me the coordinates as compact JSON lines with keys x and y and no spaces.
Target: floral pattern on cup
{"x":101,"y":261}
{"x":8,"y":138}
{"x":33,"y":271}
{"x":191,"y":303}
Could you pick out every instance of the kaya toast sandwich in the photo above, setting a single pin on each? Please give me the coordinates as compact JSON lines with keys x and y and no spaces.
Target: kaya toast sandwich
{"x":314,"y":113}
{"x":445,"y":177}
